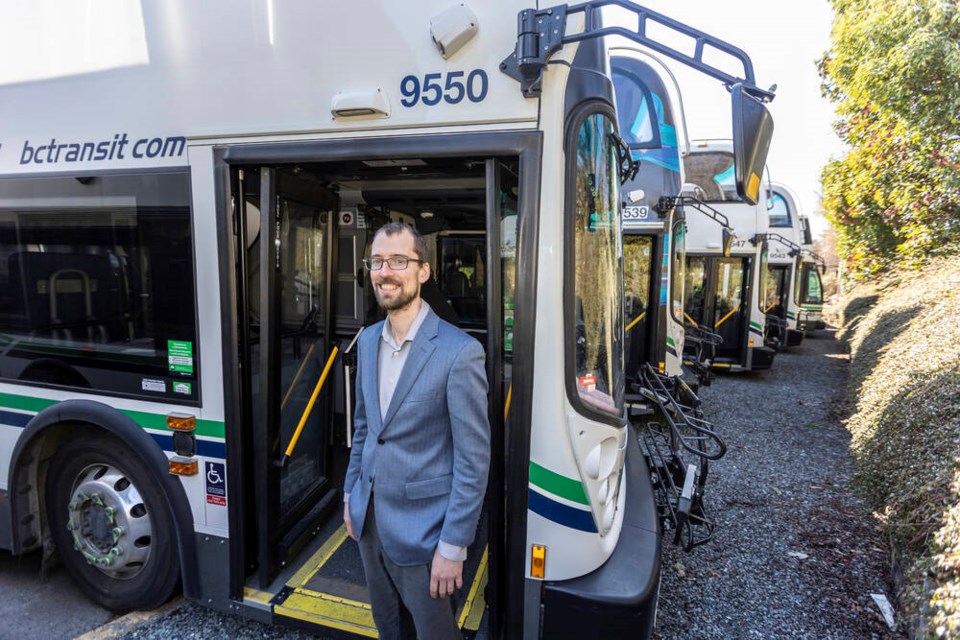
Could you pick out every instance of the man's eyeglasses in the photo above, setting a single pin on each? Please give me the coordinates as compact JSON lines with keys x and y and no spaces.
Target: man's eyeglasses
{"x":396,"y":263}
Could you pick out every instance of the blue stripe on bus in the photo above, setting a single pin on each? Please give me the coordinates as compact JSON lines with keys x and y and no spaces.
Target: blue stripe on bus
{"x":560,"y":513}
{"x":15,"y":419}
{"x":204,"y":447}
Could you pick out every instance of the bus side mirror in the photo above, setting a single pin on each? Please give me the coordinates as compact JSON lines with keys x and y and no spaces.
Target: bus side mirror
{"x":752,"y":131}
{"x":728,"y":238}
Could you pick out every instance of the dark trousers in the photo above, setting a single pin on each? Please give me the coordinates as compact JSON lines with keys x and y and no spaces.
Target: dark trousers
{"x":398,"y":594}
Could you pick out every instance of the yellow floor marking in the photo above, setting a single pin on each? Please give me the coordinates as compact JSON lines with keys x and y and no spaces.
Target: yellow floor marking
{"x":319,"y":559}
{"x":333,"y":611}
{"x":473,"y":608}
{"x":254,"y":595}
{"x":369,"y":632}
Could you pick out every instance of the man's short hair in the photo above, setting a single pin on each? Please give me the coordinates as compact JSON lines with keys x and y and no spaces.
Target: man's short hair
{"x":393,"y":228}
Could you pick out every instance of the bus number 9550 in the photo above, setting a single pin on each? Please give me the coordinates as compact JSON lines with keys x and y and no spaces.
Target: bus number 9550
{"x":451,"y":87}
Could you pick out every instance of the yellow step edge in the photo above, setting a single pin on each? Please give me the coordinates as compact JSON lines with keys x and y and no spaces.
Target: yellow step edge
{"x":475,"y":605}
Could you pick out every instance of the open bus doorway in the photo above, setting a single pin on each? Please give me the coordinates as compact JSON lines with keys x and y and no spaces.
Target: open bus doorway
{"x":313,"y":297}
{"x":717,"y":299}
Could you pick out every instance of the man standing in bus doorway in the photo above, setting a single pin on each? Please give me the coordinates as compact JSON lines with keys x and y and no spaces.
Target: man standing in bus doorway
{"x":421,"y":447}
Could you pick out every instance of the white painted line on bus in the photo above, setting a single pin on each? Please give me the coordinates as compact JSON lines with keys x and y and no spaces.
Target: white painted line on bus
{"x":129,"y":622}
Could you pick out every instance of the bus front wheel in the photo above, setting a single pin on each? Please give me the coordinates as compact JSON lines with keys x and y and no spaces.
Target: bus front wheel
{"x":111,"y":525}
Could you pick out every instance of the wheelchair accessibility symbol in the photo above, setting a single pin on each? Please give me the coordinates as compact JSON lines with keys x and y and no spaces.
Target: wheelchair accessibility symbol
{"x":216,"y":483}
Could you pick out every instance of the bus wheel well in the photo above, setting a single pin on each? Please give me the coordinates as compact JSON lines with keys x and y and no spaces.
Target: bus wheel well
{"x":110,"y":522}
{"x":60,"y":427}
{"x":29,"y":478}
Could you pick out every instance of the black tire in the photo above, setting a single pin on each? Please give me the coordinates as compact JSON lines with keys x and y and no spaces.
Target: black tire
{"x":127,"y":559}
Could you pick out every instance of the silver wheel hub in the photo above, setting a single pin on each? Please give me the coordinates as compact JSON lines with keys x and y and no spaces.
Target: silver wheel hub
{"x":109,"y":521}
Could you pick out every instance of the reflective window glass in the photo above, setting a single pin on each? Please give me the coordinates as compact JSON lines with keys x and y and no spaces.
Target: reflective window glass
{"x":597,"y":252}
{"x":96,"y":284}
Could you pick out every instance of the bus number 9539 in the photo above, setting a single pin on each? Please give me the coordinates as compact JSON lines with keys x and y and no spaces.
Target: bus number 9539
{"x":451,"y":87}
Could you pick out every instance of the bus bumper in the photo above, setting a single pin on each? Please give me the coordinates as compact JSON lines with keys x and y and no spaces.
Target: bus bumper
{"x":618,"y":600}
{"x":761,"y":357}
{"x":794,"y":337}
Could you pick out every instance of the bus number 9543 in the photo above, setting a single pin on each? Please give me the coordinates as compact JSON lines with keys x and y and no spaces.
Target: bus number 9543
{"x":451,"y":87}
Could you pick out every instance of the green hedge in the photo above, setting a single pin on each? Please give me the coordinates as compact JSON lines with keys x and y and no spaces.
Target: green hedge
{"x":904,"y":392}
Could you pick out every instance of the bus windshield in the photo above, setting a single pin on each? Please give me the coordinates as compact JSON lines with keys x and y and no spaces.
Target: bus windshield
{"x":713,"y":173}
{"x":598,"y":282}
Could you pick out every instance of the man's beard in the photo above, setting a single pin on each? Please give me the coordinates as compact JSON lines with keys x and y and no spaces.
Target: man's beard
{"x":401,"y":300}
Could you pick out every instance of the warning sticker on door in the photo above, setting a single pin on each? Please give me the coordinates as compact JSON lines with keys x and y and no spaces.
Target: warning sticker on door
{"x":216,"y":480}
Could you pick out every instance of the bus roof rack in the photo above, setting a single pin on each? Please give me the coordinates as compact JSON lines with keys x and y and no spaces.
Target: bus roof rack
{"x":541,"y":33}
{"x":669,"y":202}
{"x":795,"y":249}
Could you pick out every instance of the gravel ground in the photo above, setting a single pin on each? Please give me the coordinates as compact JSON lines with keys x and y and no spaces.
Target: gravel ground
{"x":795,"y":555}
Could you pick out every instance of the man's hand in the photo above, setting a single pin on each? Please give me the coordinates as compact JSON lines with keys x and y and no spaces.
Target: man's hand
{"x":346,"y":520}
{"x":445,"y":576}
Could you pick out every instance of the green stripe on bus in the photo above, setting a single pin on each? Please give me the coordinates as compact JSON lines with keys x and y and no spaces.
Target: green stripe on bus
{"x":756,"y":325}
{"x":671,"y":342}
{"x":23,"y":403}
{"x":209,"y":428}
{"x":557,"y":484}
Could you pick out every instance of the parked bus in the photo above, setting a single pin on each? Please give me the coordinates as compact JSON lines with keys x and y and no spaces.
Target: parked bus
{"x":723,"y":288}
{"x":780,"y":301}
{"x":183,"y":215}
{"x":677,"y":441}
{"x":808,"y":295}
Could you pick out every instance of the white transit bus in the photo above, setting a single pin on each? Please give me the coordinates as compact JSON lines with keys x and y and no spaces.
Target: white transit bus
{"x":661,"y":396}
{"x":808,"y":294}
{"x":186,"y":193}
{"x":723,"y":283}
{"x":784,"y":259}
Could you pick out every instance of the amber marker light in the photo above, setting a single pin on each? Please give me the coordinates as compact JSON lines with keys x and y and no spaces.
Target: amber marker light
{"x":181,"y":422}
{"x":538,"y":560}
{"x":182,"y":466}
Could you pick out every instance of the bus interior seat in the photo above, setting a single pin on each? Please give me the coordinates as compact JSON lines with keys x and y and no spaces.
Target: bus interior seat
{"x":67,"y":295}
{"x":455,"y":283}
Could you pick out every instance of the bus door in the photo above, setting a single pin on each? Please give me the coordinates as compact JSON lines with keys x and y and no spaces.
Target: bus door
{"x":466,"y":209}
{"x":639,"y":269}
{"x":285,"y":255}
{"x":716,"y":299}
{"x":775,"y":298}
{"x":730,"y":308}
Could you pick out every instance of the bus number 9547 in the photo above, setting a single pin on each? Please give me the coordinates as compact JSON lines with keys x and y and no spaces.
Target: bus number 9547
{"x":451,"y":87}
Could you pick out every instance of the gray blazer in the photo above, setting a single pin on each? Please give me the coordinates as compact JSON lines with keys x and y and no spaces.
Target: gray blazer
{"x":427,"y":459}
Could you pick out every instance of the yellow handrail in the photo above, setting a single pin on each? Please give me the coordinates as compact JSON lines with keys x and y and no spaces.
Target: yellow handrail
{"x":724,"y":318}
{"x":297,"y":377}
{"x":635,"y":321}
{"x":309,"y":408}
{"x":692,"y":321}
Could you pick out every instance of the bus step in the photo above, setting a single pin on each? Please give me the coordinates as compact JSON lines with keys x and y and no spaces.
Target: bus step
{"x":330,"y":589}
